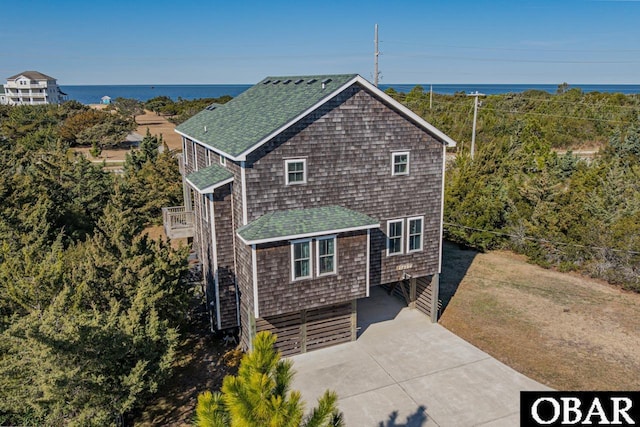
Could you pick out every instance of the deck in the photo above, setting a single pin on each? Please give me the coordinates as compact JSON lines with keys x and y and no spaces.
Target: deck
{"x":178,"y":222}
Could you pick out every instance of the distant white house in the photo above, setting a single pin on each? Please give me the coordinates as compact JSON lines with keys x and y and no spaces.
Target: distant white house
{"x":105,"y":100}
{"x":32,"y":88}
{"x":3,"y":98}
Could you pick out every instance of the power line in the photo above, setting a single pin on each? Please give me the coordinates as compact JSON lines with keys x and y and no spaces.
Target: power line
{"x":511,"y":49}
{"x":555,"y":101}
{"x":537,"y":114}
{"x":630,"y":107}
{"x":511,"y":60}
{"x":559,"y":116}
{"x":540,"y":240}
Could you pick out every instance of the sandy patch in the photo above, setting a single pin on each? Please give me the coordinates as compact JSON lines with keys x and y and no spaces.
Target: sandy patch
{"x":157,"y":125}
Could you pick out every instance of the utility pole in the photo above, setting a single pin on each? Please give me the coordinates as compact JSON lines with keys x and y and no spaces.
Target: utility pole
{"x":430,"y":97}
{"x":375,"y":55}
{"x":476,"y":94}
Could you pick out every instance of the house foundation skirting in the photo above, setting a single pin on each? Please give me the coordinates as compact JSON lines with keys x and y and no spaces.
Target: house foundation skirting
{"x":312,"y":329}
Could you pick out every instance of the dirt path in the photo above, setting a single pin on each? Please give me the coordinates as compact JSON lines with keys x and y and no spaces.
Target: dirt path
{"x":157,"y":125}
{"x":563,"y":330}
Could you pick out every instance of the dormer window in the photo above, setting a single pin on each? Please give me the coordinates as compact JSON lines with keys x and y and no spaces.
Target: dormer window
{"x":400,"y":163}
{"x":296,"y":171}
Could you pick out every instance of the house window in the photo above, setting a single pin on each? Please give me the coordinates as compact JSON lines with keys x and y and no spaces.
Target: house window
{"x":301,"y":259}
{"x":394,"y":234}
{"x":414,"y":233}
{"x":296,"y":171}
{"x":326,"y":250}
{"x":223,"y":160}
{"x":400,"y":163}
{"x":208,"y":157}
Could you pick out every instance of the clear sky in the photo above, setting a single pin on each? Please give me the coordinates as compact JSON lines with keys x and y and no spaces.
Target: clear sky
{"x":218,"y":42}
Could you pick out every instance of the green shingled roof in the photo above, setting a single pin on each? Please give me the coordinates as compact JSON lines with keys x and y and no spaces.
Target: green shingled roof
{"x":207,"y":179}
{"x":299,"y":223}
{"x":244,"y":121}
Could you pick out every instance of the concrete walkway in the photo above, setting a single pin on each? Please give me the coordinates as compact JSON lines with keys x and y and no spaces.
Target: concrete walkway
{"x":405,"y":371}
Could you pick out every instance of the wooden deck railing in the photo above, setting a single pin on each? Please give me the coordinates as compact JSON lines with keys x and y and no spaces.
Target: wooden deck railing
{"x":178,"y":222}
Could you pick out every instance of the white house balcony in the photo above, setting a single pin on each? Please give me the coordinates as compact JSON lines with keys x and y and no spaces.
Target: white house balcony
{"x":178,"y":222}
{"x":25,"y":93}
{"x":31,"y":86}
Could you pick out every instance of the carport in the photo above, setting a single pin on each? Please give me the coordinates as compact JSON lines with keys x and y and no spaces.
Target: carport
{"x":405,"y":370}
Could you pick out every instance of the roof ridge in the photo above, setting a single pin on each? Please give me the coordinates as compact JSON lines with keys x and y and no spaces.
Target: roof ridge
{"x":273,"y":105}
{"x":32,"y":74}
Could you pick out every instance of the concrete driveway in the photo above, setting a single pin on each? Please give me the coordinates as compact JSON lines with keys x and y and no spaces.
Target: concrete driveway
{"x":405,"y":371}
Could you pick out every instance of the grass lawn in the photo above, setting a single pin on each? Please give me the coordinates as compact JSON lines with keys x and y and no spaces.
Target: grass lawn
{"x":564,"y":330}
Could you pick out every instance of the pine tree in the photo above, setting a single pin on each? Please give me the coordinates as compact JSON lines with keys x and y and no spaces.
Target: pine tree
{"x":260,"y":395}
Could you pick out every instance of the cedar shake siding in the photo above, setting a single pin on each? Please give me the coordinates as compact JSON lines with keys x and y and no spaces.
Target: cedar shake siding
{"x":278,"y":293}
{"x":307,"y":158}
{"x":224,"y":226}
{"x":224,"y":231}
{"x":347,"y":144}
{"x":245,"y":287}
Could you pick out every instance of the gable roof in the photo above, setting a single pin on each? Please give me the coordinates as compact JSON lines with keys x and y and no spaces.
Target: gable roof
{"x":236,"y":126}
{"x":208,"y":179}
{"x":277,"y":226}
{"x":33,"y":75}
{"x":266,"y":109}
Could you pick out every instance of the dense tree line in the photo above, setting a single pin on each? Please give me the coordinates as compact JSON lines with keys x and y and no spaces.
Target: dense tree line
{"x":518,"y":193}
{"x":570,"y":118}
{"x":182,"y":109}
{"x":90,"y":307}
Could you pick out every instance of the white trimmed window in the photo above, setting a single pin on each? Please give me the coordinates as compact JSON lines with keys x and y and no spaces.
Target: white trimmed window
{"x":326,"y":255}
{"x":208,"y":157}
{"x":415,"y":227}
{"x":223,"y":160}
{"x":301,"y":259}
{"x":394,"y":236}
{"x":296,"y":171}
{"x":400,"y":163}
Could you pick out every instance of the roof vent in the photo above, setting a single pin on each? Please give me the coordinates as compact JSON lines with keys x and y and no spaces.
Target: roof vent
{"x":297,"y":82}
{"x":211,"y":107}
{"x":324,"y":83}
{"x":266,"y":82}
{"x":205,"y":129}
{"x":312,"y":81}
{"x":275,"y":82}
{"x":286,"y":81}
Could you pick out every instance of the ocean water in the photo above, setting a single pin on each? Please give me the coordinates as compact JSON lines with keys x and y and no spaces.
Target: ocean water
{"x":93,"y":94}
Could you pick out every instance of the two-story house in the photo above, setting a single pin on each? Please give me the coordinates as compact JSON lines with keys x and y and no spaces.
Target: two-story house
{"x":32,"y":88}
{"x":306,"y":192}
